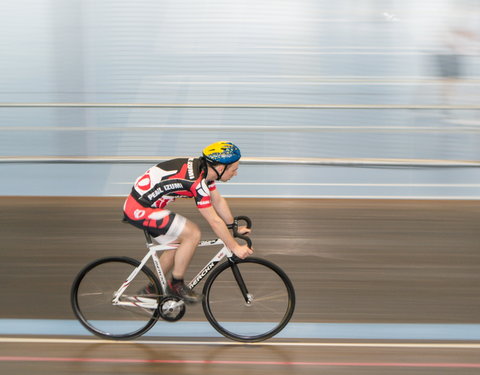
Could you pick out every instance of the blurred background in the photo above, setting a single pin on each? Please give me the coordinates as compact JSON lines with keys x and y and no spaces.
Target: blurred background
{"x":347,"y":99}
{"x":326,"y":99}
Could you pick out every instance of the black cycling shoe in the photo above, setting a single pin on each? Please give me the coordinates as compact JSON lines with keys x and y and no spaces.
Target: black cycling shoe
{"x":180,"y":290}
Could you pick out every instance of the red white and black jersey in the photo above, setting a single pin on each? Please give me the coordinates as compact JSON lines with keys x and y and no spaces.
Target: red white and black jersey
{"x":166,"y":181}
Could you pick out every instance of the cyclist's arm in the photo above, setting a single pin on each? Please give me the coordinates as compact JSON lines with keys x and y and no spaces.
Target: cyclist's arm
{"x":222,"y":208}
{"x":221,"y":230}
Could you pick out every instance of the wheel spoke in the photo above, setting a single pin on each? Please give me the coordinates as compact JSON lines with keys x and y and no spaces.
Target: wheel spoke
{"x":92,"y":298}
{"x":269,"y":311}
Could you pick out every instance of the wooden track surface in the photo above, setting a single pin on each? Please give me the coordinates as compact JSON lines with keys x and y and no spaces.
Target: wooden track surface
{"x":350,"y":260}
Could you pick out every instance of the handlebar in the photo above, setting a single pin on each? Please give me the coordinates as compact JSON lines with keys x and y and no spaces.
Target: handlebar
{"x":234,"y":227}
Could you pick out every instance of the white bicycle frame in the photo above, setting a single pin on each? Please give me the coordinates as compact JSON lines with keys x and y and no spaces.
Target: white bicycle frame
{"x":153,"y":249}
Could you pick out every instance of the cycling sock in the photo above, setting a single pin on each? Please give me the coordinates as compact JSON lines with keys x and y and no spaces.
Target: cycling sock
{"x":176,"y":281}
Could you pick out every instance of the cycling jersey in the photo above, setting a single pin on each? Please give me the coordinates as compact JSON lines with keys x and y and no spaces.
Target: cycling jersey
{"x":162,"y":184}
{"x":172,"y":179}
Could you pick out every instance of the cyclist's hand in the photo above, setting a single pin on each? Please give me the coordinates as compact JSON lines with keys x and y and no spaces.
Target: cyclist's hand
{"x":242,"y":251}
{"x":243,"y":230}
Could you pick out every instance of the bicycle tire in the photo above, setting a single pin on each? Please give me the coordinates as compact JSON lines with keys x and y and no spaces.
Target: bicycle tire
{"x":269,"y":312}
{"x":92,"y":293}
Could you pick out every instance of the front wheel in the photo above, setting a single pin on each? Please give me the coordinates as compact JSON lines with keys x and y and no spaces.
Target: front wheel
{"x":93,"y":292}
{"x":248,"y":300}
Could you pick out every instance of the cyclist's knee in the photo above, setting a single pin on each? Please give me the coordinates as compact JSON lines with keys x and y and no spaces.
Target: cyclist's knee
{"x":191,"y":232}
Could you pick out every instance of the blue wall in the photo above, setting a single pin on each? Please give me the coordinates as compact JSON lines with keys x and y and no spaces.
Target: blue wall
{"x":382,"y":53}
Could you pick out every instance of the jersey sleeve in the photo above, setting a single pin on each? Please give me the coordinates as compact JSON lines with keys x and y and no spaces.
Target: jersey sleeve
{"x":202,"y":196}
{"x":212,"y":186}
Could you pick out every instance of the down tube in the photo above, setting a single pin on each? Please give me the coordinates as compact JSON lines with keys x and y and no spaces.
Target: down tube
{"x":204,"y":272}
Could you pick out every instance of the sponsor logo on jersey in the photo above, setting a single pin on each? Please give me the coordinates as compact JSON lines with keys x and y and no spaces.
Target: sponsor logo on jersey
{"x":155,"y":193}
{"x":139,"y":213}
{"x":191,"y":175}
{"x":173,"y":186}
{"x":202,"y":189}
{"x":144,"y":182}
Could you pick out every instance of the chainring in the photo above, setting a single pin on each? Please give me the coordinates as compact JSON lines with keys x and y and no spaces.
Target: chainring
{"x":171,"y":308}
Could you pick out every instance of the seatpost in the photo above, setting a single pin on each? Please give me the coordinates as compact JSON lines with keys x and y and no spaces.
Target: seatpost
{"x":148,"y":237}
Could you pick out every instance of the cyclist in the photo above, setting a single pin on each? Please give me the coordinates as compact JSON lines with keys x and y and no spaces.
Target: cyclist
{"x":191,"y":178}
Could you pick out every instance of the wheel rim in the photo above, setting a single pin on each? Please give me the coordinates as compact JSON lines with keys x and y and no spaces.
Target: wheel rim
{"x":270,"y":309}
{"x":94,"y":291}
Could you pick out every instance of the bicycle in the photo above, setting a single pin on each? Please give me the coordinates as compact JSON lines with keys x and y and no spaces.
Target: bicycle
{"x":247,"y":300}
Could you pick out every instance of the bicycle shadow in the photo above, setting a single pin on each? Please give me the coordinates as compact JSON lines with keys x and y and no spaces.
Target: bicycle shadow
{"x":249,"y":357}
{"x":140,"y":357}
{"x":119,"y":357}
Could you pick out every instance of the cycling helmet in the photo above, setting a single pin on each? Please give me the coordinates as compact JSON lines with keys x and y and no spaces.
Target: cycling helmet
{"x":222,"y":153}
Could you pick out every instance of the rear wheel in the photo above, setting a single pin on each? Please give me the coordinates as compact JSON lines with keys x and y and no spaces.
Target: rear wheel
{"x":93,"y":292}
{"x":248,"y":300}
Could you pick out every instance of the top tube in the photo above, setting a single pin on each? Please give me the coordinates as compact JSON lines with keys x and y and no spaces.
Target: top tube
{"x":216,"y":241}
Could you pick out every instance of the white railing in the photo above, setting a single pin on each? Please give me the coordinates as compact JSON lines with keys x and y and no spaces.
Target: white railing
{"x":245,"y":160}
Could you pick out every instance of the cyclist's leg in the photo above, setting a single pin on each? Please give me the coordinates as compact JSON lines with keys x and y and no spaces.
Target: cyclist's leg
{"x":166,"y":260}
{"x":188,"y":239}
{"x":180,"y":230}
{"x":166,"y":227}
{"x":162,"y":224}
{"x":187,"y":234}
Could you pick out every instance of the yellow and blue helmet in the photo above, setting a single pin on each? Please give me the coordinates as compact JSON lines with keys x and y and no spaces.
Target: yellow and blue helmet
{"x":222,"y":152}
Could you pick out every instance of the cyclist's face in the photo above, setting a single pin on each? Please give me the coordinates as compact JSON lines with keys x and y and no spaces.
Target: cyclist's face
{"x":230,"y":172}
